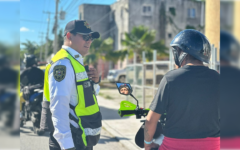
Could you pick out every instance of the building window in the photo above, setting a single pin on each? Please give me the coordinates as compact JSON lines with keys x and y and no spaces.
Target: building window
{"x":172,"y":11}
{"x":169,"y":35}
{"x":191,"y":13}
{"x":122,"y":12}
{"x":147,"y":10}
{"x":111,"y":16}
{"x":80,"y":16}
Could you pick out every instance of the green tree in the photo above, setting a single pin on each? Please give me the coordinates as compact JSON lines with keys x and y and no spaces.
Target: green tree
{"x":101,"y":49}
{"x":30,"y":47}
{"x":141,"y":39}
{"x":10,"y":51}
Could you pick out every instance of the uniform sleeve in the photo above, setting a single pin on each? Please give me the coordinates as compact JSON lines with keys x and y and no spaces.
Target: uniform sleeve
{"x":60,"y":92}
{"x":160,"y":101}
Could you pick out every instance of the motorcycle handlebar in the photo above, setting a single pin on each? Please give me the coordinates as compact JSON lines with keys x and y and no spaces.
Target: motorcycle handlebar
{"x":139,"y":113}
{"x":126,"y":112}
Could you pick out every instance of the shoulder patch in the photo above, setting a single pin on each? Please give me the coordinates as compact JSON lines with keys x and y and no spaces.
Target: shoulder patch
{"x":59,"y":72}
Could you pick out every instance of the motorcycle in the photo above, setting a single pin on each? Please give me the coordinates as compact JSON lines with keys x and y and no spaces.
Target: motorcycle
{"x":129,"y":109}
{"x":31,"y":109}
{"x":7,"y":106}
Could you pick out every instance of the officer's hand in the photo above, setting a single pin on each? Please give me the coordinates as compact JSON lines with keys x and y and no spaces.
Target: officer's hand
{"x":93,"y":75}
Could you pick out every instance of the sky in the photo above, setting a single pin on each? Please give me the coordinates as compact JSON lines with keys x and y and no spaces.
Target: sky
{"x":27,"y":20}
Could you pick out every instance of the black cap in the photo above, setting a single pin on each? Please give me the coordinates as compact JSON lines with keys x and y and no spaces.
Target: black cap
{"x":80,"y":26}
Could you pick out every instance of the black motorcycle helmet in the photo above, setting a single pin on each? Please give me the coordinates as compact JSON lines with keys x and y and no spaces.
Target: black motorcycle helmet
{"x":191,"y":42}
{"x":229,"y":47}
{"x":29,"y":60}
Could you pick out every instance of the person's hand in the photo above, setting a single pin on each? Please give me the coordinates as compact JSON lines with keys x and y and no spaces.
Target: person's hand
{"x":93,"y":75}
{"x":149,"y":146}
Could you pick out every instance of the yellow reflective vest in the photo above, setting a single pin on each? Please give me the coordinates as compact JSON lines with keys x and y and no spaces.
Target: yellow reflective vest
{"x":87,"y":109}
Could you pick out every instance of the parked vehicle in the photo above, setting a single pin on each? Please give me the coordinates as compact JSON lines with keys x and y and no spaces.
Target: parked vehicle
{"x":116,"y":75}
{"x":120,"y":75}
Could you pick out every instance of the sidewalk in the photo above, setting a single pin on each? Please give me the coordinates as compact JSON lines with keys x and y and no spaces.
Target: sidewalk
{"x":124,"y":129}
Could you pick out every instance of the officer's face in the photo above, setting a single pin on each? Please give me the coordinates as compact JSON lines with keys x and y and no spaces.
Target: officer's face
{"x":80,"y":45}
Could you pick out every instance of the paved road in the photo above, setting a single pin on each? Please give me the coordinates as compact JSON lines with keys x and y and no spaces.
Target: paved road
{"x":30,"y":141}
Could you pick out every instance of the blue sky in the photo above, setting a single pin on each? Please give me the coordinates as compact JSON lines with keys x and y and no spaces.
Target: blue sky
{"x":27,"y":18}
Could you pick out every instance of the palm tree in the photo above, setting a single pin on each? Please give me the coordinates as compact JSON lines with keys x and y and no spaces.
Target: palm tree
{"x":30,"y":47}
{"x":141,"y":39}
{"x":102,"y":49}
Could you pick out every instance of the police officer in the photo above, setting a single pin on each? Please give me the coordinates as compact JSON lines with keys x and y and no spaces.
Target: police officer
{"x":71,"y":91}
{"x":189,"y":96}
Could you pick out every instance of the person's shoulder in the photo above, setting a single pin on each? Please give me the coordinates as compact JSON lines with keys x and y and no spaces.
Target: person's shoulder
{"x":64,"y":62}
{"x":24,"y":71}
{"x":36,"y":68}
{"x":214,"y":72}
{"x":174,"y":73}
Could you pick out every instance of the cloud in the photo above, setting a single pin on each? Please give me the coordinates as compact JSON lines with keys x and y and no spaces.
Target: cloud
{"x":23,"y":29}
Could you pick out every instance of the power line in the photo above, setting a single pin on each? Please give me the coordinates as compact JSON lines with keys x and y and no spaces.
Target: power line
{"x":47,"y":40}
{"x":33,"y":21}
{"x":72,"y":3}
{"x":42,"y":14}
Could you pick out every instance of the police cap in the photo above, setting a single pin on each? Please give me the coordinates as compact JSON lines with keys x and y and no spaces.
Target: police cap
{"x":80,"y":26}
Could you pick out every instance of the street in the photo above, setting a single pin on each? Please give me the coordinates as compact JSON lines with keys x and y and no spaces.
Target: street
{"x":30,"y":141}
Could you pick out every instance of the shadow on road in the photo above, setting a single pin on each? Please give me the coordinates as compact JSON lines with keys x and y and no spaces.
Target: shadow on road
{"x":107,"y":139}
{"x":28,"y":131}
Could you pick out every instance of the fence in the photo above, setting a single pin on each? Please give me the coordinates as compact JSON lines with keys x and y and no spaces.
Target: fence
{"x":145,"y":77}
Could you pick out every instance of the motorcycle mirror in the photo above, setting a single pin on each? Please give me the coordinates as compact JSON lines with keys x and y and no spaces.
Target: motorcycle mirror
{"x":124,"y":88}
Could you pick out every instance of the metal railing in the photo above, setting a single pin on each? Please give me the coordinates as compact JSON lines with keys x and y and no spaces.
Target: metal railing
{"x":138,"y":72}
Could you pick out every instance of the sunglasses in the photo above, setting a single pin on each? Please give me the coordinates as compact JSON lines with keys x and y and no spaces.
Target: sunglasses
{"x":86,"y":37}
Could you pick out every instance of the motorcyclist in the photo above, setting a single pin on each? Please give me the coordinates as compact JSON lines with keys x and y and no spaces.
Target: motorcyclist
{"x":190,"y":97}
{"x":31,"y":75}
{"x":31,"y":78}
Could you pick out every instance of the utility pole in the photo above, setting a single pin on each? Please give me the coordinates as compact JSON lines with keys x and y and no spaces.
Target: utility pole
{"x":41,"y":36}
{"x":212,"y":23}
{"x":236,"y":21}
{"x":55,"y":49}
{"x":46,"y":45}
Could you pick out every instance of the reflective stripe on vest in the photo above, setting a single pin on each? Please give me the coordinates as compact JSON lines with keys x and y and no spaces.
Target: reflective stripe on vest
{"x":87,"y":109}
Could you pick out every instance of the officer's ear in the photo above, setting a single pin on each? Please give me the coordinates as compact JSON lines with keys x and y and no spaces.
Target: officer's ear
{"x":68,"y":35}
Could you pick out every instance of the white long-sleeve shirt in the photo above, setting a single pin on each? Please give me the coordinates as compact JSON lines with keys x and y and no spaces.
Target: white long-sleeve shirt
{"x":62,"y":94}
